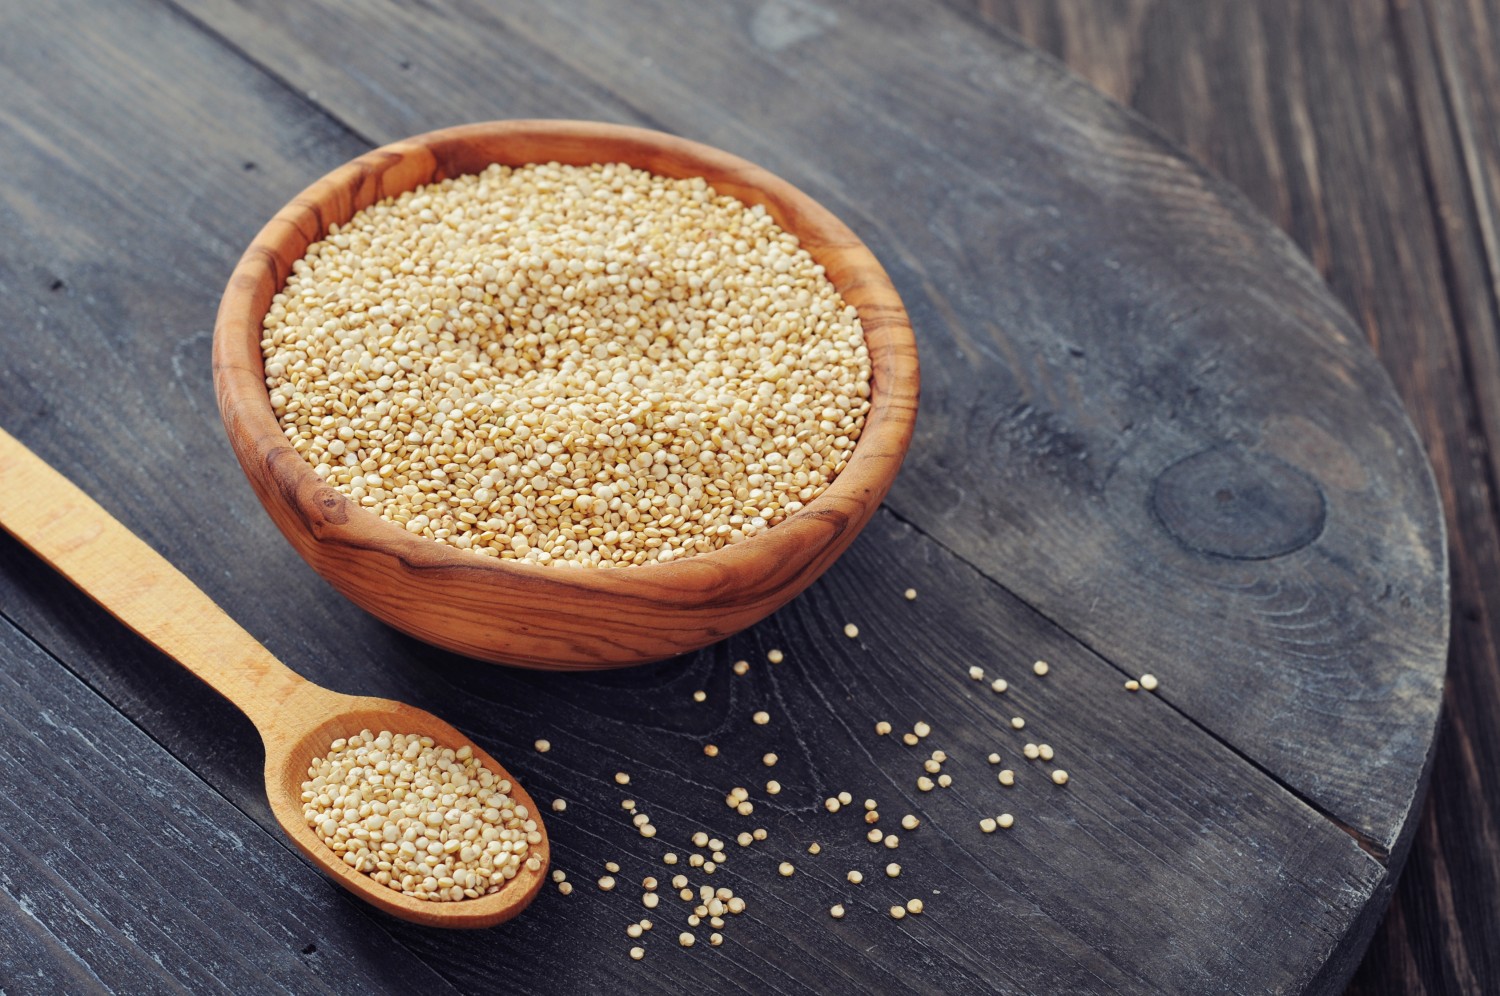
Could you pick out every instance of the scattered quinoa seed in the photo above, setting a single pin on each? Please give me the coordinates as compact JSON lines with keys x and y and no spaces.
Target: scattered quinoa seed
{"x":999,"y":685}
{"x":775,"y":656}
{"x":837,"y":911}
{"x":944,"y":780}
{"x":845,"y":798}
{"x":909,"y":822}
{"x":911,"y":594}
{"x":1132,"y":685}
{"x":542,"y":746}
{"x":716,"y":939}
{"x":1060,"y":777}
{"x":685,"y":939}
{"x":1040,"y":668}
{"x":921,"y":729}
{"x":637,"y":953}
{"x":773,"y":787}
{"x":559,"y":805}
{"x":892,"y":870}
{"x":711,"y":750}
{"x":898,"y":912}
{"x":566,"y":888}
{"x":851,"y":631}
{"x":814,"y":847}
{"x":621,"y":778}
{"x":882,"y":728}
{"x":987,"y":825}
{"x":1148,"y":682}
{"x":769,"y":760}
{"x":700,"y":695}
{"x":1004,"y":820}
{"x":924,"y":783}
{"x":914,"y":906}
{"x":786,"y":869}
{"x":761,"y":718}
{"x":606,"y":883}
{"x":910,"y":739}
{"x":855,"y":876}
{"x":977,"y":673}
{"x":1044,"y":751}
{"x":1017,"y":722}
{"x":1032,"y":752}
{"x":1007,"y":777}
{"x":994,"y":758}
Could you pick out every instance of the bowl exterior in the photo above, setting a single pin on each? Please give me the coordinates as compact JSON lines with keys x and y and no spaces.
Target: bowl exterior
{"x":557,"y":616}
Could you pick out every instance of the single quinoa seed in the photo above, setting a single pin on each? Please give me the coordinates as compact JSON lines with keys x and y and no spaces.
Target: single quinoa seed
{"x":910,"y":822}
{"x":421,"y":819}
{"x":987,"y":825}
{"x":1060,"y":777}
{"x":559,"y":805}
{"x":1032,"y":752}
{"x":914,"y":906}
{"x":998,"y":686}
{"x":711,"y":750}
{"x":542,"y":746}
{"x":761,"y":718}
{"x":921,"y":729}
{"x":637,"y":953}
{"x":892,"y":870}
{"x":589,"y":365}
{"x":700,"y":696}
{"x":882,"y":728}
{"x":1004,"y":821}
{"x":786,"y":869}
{"x":741,"y":667}
{"x":1044,"y":751}
{"x":851,"y":631}
{"x":898,"y":912}
{"x":775,"y":656}
{"x":1017,"y":723}
{"x":836,"y":911}
{"x":1132,"y":685}
{"x":1148,"y":682}
{"x":814,"y":847}
{"x":911,"y":594}
{"x":1040,"y":668}
{"x":855,"y":876}
{"x":994,"y":758}
{"x":769,"y":760}
{"x":1007,"y":777}
{"x":976,"y":673}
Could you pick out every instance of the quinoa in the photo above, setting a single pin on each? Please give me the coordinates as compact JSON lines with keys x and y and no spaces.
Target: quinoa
{"x":586,"y":365}
{"x":424,"y":820}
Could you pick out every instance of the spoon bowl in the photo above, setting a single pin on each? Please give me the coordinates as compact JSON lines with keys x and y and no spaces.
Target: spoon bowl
{"x":297,"y":720}
{"x":326,"y":716}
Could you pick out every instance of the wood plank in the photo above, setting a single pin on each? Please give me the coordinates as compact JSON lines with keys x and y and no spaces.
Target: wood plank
{"x":1157,"y":820}
{"x":121,"y":870}
{"x":1070,"y":356}
{"x":1294,"y":103}
{"x":1165,"y":841}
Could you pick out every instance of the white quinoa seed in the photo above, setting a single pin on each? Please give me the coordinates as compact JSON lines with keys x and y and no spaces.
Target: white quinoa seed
{"x":1044,"y":751}
{"x":769,"y":760}
{"x":633,"y":930}
{"x":999,"y":685}
{"x":831,"y":804}
{"x":994,"y":758}
{"x":670,"y":858}
{"x":1004,"y":821}
{"x":761,"y":718}
{"x":977,"y":673}
{"x":606,"y":883}
{"x":892,"y":841}
{"x":558,"y":875}
{"x":559,"y":805}
{"x":773,"y":788}
{"x":1017,"y":723}
{"x":875,"y":836}
{"x":775,"y":656}
{"x":814,"y":847}
{"x":921,"y":729}
{"x":914,"y":906}
{"x":892,"y":870}
{"x":716,"y":939}
{"x":910,"y":739}
{"x":1132,"y":685}
{"x":944,"y":780}
{"x":882,"y":728}
{"x":1032,"y":752}
{"x":649,"y":900}
{"x":566,"y":888}
{"x":542,"y":746}
{"x":744,"y":838}
{"x":855,"y":876}
{"x":987,"y":825}
{"x":1148,"y":682}
{"x":911,"y":594}
{"x":1060,"y":777}
{"x":421,"y":819}
{"x":846,"y":799}
{"x":741,"y":667}
{"x":836,"y":911}
{"x":924,"y":783}
{"x":1040,"y":668}
{"x":621,"y":778}
{"x":637,"y":953}
{"x":786,"y":869}
{"x":588,"y":365}
{"x":851,"y":631}
{"x":685,"y":939}
{"x":710,"y":750}
{"x":700,"y":695}
{"x":759,"y":833}
{"x":910,"y":822}
{"x":1007,"y":777}
{"x":898,"y":912}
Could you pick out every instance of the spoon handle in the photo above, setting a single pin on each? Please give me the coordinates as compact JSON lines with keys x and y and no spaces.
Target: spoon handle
{"x":85,"y":544}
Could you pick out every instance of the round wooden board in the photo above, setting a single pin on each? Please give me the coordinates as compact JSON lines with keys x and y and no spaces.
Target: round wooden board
{"x":1150,"y":440}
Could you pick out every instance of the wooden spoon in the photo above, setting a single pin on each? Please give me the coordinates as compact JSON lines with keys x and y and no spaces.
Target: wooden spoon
{"x":297,"y":719}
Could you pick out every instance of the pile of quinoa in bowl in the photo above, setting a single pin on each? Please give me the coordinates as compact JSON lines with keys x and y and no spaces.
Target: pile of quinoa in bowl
{"x":575,"y":365}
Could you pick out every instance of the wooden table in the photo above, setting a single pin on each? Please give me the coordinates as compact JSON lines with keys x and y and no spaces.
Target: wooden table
{"x":143,"y":142}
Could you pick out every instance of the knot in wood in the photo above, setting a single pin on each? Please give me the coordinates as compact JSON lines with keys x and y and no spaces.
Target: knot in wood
{"x":1231,"y":502}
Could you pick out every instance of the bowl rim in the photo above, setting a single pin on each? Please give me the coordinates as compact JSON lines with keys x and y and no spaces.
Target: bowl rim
{"x":262,"y":448}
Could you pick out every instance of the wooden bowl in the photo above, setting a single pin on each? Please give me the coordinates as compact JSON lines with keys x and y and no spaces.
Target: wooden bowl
{"x":550,"y":616}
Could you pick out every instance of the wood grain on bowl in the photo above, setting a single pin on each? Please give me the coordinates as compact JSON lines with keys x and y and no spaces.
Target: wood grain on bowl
{"x":556,"y":616}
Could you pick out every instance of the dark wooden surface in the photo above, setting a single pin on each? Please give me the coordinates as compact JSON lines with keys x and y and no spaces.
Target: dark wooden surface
{"x":1205,"y":841}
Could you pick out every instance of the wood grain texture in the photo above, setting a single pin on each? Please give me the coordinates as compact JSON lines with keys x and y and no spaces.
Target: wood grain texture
{"x":1164,"y":834}
{"x":140,"y":877}
{"x":1368,"y":132}
{"x":519,"y":613}
{"x":1081,"y":332}
{"x":296,"y":719}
